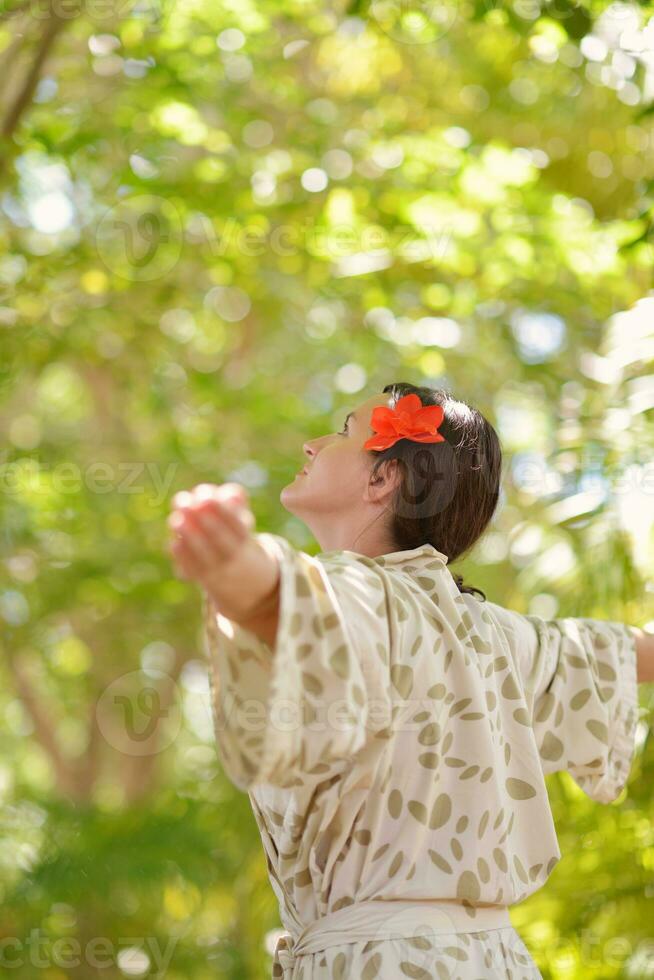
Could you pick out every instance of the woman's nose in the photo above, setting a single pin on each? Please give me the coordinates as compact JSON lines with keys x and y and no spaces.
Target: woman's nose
{"x":313,"y":446}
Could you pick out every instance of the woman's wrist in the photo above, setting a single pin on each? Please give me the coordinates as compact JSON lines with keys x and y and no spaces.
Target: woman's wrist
{"x":247,"y":588}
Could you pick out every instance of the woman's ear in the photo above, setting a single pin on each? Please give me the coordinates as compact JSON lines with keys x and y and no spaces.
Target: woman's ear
{"x":384,"y":482}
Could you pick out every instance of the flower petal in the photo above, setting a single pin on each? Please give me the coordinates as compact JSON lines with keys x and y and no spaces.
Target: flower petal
{"x":430,"y":415}
{"x":379,"y":442}
{"x":409,"y":403}
{"x":383,"y":421}
{"x":428,"y":437}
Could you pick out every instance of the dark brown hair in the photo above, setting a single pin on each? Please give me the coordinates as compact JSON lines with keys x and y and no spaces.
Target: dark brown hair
{"x":449,"y":490}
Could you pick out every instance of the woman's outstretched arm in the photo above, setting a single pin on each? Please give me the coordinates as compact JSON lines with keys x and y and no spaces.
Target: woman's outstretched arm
{"x":580,"y":678}
{"x":214,"y":545}
{"x":644,"y":656}
{"x":263,"y":619}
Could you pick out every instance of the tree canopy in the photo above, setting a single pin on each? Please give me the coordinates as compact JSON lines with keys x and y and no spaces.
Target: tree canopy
{"x":220,"y":224}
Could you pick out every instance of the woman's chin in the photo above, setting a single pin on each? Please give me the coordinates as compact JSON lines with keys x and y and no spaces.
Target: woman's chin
{"x":286,"y":494}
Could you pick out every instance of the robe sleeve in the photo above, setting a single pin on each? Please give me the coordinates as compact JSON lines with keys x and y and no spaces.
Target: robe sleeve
{"x":295,"y":714}
{"x":580,"y":684}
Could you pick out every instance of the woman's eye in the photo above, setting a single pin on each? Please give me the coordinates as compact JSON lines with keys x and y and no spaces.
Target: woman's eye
{"x":343,"y":431}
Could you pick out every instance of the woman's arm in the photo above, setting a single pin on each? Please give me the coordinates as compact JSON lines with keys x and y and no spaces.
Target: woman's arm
{"x":214,"y":545}
{"x":580,"y":679}
{"x":644,"y":655}
{"x":297,"y":713}
{"x":263,"y":618}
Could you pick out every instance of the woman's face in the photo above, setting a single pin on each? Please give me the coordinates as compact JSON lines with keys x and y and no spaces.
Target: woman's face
{"x":334,"y":496}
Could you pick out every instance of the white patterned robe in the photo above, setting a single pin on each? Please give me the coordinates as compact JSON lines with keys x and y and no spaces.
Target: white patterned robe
{"x":394,"y":746}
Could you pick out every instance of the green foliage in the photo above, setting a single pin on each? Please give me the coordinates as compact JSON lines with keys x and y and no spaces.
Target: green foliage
{"x":221,"y":225}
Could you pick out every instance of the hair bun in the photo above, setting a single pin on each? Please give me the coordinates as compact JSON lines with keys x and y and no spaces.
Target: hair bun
{"x":468,"y":588}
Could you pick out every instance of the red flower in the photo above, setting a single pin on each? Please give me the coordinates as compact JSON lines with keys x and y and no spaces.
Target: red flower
{"x":410,"y":419}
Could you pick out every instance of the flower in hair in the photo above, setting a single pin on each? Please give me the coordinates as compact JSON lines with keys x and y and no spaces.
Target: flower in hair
{"x":410,"y":419}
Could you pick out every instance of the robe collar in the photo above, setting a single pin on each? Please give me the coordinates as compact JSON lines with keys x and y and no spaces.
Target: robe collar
{"x":400,"y":557}
{"x":397,"y":557}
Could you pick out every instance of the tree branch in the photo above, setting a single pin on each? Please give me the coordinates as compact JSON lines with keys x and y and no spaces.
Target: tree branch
{"x":141,"y":769}
{"x":20,"y":8}
{"x":54,"y":25}
{"x":44,"y":728}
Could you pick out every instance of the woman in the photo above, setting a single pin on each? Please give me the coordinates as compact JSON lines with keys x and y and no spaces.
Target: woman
{"x":391,"y":727}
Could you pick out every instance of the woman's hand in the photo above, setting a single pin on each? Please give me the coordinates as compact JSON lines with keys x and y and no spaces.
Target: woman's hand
{"x":211,"y":523}
{"x":213,"y":544}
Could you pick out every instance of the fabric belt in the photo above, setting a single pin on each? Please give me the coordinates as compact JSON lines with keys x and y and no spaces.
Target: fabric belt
{"x":377,"y":920}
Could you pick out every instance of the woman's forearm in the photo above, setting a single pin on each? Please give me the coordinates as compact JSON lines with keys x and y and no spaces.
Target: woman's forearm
{"x":254,"y":580}
{"x":214,"y":545}
{"x":264,"y":620}
{"x":644,"y":656}
{"x":265,"y":623}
